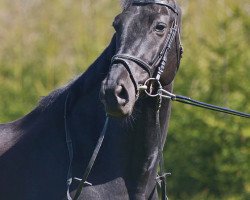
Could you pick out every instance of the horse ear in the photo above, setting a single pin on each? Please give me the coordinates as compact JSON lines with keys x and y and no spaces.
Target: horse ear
{"x":123,"y":2}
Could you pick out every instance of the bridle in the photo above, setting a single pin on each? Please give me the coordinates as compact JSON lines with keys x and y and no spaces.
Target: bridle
{"x":161,"y":59}
{"x":159,"y":64}
{"x":154,"y":77}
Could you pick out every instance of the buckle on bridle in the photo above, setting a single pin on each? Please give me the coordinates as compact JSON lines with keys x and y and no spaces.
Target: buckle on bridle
{"x":86,"y":183}
{"x":161,"y":178}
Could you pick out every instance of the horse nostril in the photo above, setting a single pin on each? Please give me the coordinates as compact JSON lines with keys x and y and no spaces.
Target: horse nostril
{"x":121,"y":95}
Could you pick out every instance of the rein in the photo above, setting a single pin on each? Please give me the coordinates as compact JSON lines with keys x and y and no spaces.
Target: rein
{"x":83,"y":181}
{"x":161,"y":93}
{"x":87,"y":171}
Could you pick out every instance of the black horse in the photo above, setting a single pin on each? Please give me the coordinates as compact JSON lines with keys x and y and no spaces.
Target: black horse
{"x":34,"y":157}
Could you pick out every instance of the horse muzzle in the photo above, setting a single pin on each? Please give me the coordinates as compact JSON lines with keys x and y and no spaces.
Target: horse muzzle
{"x":117,"y":92}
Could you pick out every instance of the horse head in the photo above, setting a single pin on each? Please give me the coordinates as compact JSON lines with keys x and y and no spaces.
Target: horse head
{"x":147,"y":46}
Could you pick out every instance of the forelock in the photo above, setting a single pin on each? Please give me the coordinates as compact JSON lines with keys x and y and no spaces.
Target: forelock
{"x":125,"y":3}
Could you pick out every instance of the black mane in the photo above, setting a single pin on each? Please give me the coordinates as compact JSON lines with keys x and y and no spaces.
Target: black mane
{"x":47,"y":101}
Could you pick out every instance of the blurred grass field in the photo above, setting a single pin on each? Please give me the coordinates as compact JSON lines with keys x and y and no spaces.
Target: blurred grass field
{"x":44,"y":44}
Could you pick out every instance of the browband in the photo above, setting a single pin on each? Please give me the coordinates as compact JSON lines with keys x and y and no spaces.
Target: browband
{"x":160,"y":2}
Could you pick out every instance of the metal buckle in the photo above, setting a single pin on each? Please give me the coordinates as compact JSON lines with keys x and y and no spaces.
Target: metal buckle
{"x":163,"y":177}
{"x":86,"y":183}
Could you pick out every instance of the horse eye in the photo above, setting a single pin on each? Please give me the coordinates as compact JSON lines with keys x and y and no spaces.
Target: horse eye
{"x":160,"y":27}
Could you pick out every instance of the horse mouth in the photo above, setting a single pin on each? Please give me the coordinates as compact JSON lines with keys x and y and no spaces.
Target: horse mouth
{"x":116,"y":105}
{"x":119,"y":112}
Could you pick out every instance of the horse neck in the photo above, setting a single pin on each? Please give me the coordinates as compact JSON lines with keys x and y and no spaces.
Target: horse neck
{"x":48,"y":117}
{"x":145,"y":152}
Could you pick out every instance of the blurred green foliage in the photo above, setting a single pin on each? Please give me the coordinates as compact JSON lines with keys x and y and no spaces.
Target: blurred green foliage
{"x":43,"y":44}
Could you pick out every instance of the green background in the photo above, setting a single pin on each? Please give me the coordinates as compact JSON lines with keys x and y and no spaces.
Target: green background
{"x":44,"y":44}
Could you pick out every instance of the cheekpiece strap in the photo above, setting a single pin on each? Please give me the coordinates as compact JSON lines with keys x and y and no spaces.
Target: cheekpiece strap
{"x":160,"y":2}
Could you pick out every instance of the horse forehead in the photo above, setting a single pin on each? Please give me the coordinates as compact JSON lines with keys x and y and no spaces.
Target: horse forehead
{"x":144,"y":14}
{"x":146,"y":10}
